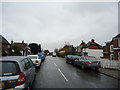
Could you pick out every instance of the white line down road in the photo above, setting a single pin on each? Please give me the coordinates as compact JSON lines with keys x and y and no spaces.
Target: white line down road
{"x":61,"y":73}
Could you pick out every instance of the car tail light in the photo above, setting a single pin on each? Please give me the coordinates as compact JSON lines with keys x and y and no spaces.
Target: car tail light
{"x":36,"y":61}
{"x":21,"y":79}
{"x":88,"y":62}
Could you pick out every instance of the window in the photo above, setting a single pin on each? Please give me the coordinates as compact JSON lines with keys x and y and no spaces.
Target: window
{"x":26,"y":63}
{"x":111,"y":48}
{"x":119,"y":42}
{"x":9,"y":68}
{"x":111,"y":56}
{"x":31,"y":63}
{"x":32,"y":57}
{"x":118,"y":55}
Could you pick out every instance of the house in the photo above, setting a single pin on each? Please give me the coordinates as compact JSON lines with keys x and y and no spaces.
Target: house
{"x":111,"y":50}
{"x":4,"y":46}
{"x":91,"y":49}
{"x":24,"y":49}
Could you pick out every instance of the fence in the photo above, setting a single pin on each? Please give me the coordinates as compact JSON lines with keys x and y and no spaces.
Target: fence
{"x":111,"y":64}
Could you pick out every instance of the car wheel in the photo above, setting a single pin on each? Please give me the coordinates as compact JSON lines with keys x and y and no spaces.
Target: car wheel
{"x":72,"y":63}
{"x":83,"y":67}
{"x":96,"y":69}
{"x":66,"y":61}
{"x":28,"y":88}
{"x":34,"y":77}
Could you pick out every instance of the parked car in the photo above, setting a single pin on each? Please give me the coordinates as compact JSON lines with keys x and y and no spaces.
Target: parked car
{"x":71,"y":58}
{"x":16,"y":72}
{"x":54,"y":54}
{"x":88,"y":62}
{"x":36,"y":60}
{"x":42,"y":56}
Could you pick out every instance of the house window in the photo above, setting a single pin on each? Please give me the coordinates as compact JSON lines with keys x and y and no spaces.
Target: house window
{"x":118,"y":55}
{"x":111,"y":48}
{"x":111,"y":56}
{"x":119,"y":42}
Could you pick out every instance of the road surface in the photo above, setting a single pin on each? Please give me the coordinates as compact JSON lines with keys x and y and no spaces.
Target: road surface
{"x":56,"y":73}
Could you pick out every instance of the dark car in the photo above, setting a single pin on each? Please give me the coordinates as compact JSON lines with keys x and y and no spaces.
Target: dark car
{"x":88,"y":62}
{"x":71,"y":58}
{"x":16,"y":72}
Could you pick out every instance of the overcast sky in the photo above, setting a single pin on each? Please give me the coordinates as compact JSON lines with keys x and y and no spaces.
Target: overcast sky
{"x":52,"y":24}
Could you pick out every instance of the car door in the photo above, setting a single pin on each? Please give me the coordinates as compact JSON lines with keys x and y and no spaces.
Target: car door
{"x":32,"y":69}
{"x":27,"y":71}
{"x":80,"y":61}
{"x":77,"y":61}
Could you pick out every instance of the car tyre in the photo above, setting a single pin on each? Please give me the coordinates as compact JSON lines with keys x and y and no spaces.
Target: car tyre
{"x":34,"y":77}
{"x":28,"y":88}
{"x":83,"y":67}
{"x":96,"y":69}
{"x":66,"y":61}
{"x":72,"y":63}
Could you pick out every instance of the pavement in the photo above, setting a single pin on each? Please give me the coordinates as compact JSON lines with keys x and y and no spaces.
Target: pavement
{"x":110,"y":72}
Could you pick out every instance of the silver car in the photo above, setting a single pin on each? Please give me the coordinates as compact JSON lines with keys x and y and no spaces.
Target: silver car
{"x":88,"y":62}
{"x":16,"y":72}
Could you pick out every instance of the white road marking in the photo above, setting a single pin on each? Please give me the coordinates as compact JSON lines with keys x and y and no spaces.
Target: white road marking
{"x":61,"y":72}
{"x":55,"y":64}
{"x":63,"y":75}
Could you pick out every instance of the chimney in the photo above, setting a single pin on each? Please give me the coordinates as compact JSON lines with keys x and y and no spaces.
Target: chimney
{"x":92,"y":40}
{"x":22,"y":41}
{"x":12,"y":42}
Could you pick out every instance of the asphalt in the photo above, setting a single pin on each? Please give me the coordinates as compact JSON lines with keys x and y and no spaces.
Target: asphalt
{"x":55,"y":73}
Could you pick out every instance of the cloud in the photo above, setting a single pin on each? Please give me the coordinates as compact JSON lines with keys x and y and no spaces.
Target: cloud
{"x":52,"y":24}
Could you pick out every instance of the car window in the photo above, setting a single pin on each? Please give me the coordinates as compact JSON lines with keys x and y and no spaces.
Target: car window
{"x":90,"y":58}
{"x":9,"y":68}
{"x":23,"y":63}
{"x":26,"y":63}
{"x":32,"y":57}
{"x":31,"y":63}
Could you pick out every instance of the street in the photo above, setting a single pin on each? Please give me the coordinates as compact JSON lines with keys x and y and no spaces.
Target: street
{"x":56,"y":73}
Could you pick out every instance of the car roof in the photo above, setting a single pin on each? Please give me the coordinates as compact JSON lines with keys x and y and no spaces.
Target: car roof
{"x":32,"y":55}
{"x":12,"y":58}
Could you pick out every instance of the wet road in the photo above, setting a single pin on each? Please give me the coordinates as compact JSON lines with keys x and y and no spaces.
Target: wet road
{"x":55,"y":73}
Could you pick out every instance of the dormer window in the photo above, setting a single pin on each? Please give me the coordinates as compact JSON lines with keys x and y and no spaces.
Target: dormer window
{"x":111,"y":48}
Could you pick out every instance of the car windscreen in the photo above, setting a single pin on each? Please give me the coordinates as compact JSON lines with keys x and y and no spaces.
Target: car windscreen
{"x":32,"y":57}
{"x":9,"y":68}
{"x":90,"y":58}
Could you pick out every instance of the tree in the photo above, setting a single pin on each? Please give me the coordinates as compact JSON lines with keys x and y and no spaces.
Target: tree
{"x":14,"y":50}
{"x":34,"y":48}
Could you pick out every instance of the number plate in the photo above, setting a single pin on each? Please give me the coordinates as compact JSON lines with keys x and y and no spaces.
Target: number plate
{"x":2,"y":84}
{"x":94,"y":63}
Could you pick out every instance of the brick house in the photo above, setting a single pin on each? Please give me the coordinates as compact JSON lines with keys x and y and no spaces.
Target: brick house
{"x":91,"y":49}
{"x":4,"y":45}
{"x":25,"y":50}
{"x":111,"y":50}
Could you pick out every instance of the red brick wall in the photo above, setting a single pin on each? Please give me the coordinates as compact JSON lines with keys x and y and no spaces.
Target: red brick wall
{"x":115,"y":43}
{"x":93,"y":47}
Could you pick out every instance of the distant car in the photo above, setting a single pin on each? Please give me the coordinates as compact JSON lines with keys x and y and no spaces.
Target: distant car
{"x":16,"y":72}
{"x":42,"y":56}
{"x":54,"y":54}
{"x":88,"y":62}
{"x":36,"y":60}
{"x":71,"y":58}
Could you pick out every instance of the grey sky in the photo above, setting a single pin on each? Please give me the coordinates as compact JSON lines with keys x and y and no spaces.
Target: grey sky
{"x":52,"y":24}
